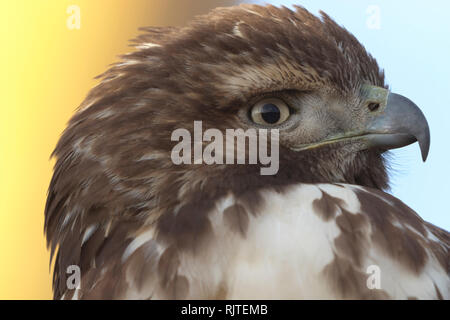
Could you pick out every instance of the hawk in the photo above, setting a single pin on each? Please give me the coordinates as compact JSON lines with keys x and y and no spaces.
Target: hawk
{"x":140,"y":226}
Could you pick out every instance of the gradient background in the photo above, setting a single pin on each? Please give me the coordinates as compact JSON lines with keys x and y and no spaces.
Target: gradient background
{"x":47,"y":70}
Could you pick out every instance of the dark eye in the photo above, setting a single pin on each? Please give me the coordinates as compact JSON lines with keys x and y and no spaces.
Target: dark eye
{"x":270,"y":112}
{"x":373,"y":106}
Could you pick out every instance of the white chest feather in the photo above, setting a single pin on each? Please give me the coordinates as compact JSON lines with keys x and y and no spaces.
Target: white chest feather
{"x":301,"y":245}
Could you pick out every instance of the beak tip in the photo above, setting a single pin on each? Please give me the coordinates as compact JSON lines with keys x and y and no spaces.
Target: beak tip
{"x":425,"y":155}
{"x":425,"y":150}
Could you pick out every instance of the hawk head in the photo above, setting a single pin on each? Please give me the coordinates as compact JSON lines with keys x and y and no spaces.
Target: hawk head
{"x":235,"y":68}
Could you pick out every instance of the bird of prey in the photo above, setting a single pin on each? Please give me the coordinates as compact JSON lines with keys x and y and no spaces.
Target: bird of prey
{"x":139,"y":226}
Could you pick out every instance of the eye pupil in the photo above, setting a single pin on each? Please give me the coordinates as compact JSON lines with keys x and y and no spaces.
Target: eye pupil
{"x":373,"y":106}
{"x":270,"y":113}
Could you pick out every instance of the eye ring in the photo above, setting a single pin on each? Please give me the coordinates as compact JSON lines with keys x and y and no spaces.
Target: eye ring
{"x":270,"y":112}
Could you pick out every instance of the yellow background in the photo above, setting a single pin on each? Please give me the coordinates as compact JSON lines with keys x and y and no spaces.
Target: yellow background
{"x":46,"y":71}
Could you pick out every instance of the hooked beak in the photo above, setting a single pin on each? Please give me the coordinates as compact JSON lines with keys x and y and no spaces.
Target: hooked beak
{"x":394,"y":123}
{"x":398,"y":124}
